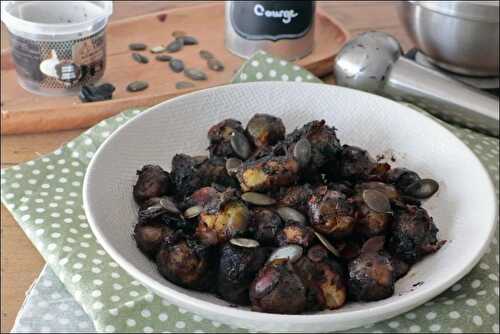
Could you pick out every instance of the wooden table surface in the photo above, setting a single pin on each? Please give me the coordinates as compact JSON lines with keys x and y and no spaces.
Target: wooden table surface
{"x":20,"y":262}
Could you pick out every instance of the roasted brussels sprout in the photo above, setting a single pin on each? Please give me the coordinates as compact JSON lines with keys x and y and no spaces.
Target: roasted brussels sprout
{"x":295,"y":197}
{"x":238,"y":266}
{"x":371,"y":275}
{"x":373,"y":215}
{"x":189,"y":174}
{"x":230,"y":220}
{"x":413,"y":235}
{"x":220,"y":135}
{"x":153,"y":181}
{"x":295,"y":233}
{"x":185,"y":262}
{"x":268,"y":173}
{"x":265,"y":130}
{"x":330,"y":213}
{"x":267,"y":224}
{"x":324,"y":280}
{"x":278,"y":289}
{"x":149,"y":237}
{"x":156,"y":207}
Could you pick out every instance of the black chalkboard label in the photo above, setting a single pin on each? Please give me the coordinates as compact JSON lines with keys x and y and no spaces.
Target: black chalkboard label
{"x":271,"y":20}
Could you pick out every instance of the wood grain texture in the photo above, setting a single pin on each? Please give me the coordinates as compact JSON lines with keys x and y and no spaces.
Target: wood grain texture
{"x":20,"y":262}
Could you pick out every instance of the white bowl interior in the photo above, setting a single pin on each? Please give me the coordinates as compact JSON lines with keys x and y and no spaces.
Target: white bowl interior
{"x":464,"y":209}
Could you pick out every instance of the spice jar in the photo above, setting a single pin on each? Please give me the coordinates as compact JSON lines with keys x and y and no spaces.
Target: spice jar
{"x":57,"y":46}
{"x":282,"y":28}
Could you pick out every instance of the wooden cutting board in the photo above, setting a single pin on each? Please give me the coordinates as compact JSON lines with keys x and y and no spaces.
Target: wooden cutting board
{"x":23,"y":112}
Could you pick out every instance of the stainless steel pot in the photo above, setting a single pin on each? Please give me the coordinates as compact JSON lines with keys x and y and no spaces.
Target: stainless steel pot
{"x":460,"y":36}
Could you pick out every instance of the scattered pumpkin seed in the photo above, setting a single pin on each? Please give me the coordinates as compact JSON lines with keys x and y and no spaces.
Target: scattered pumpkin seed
{"x":163,"y":57}
{"x":176,"y":65}
{"x":195,"y":74}
{"x":183,"y":85}
{"x":158,"y":49}
{"x":327,"y":244}
{"x":188,"y":40}
{"x":232,"y":165}
{"x":192,"y":212}
{"x":215,"y":65}
{"x":244,"y":242}
{"x":178,"y":33}
{"x":302,"y":152}
{"x":422,"y":189}
{"x":137,"y":86}
{"x":141,"y":59}
{"x":240,"y":145}
{"x":376,"y":201}
{"x":206,"y":54}
{"x":175,"y":46}
{"x":257,"y":199}
{"x":137,"y":46}
{"x":290,"y":252}
{"x":290,"y":214}
{"x":168,"y":205}
{"x":161,"y":17}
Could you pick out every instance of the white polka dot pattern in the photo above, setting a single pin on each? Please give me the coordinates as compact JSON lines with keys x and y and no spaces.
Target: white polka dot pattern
{"x":44,"y":197}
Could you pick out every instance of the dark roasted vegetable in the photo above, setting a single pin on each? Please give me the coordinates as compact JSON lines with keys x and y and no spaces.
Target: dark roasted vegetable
{"x":149,"y":237}
{"x":153,"y":181}
{"x":265,"y":130}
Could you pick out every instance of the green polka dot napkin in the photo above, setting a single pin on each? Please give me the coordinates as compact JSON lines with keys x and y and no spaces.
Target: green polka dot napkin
{"x":44,"y":196}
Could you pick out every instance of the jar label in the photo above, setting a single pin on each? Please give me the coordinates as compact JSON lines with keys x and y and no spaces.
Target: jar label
{"x":271,"y":20}
{"x":60,"y":64}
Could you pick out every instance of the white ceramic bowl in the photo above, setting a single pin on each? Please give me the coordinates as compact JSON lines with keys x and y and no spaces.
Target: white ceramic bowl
{"x":464,"y":209}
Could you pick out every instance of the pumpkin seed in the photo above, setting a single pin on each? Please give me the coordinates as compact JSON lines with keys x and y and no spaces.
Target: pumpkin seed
{"x":206,"y":54}
{"x":137,"y":46}
{"x":240,"y":145}
{"x":327,"y":244}
{"x":215,"y":65}
{"x":244,"y":242}
{"x":184,"y":85}
{"x":192,"y":212}
{"x":289,"y":214}
{"x":141,"y":59}
{"x":422,"y":189}
{"x":302,"y":152}
{"x":137,"y":86}
{"x":161,"y":17}
{"x":178,"y":33}
{"x":195,"y":74}
{"x":290,"y":252}
{"x":257,"y":199}
{"x":188,"y":40}
{"x":163,"y":58}
{"x":158,"y":49}
{"x":176,"y":65}
{"x":232,"y":165}
{"x":376,"y":201}
{"x":168,"y":205}
{"x":175,"y":46}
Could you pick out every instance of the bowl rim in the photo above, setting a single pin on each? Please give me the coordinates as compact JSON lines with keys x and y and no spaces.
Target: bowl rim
{"x":419,"y":296}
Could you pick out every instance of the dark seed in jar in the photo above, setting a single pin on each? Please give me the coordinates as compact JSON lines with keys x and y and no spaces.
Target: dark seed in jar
{"x":137,"y":46}
{"x":176,"y":65}
{"x":137,"y":86}
{"x":141,"y":59}
{"x":195,"y":74}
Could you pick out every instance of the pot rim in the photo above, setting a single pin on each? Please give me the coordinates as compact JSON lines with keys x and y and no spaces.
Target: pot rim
{"x":484,"y":11}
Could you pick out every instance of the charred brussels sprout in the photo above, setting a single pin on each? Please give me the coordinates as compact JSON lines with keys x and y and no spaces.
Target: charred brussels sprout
{"x":297,"y":234}
{"x":185,"y":262}
{"x":220,"y":135}
{"x":238,"y":266}
{"x":413,"y":235}
{"x":265,"y":130}
{"x":149,"y":237}
{"x":278,"y":289}
{"x":330,"y":213}
{"x":267,"y":225}
{"x":153,"y":181}
{"x":295,"y":197}
{"x":267,"y":173}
